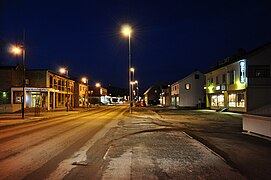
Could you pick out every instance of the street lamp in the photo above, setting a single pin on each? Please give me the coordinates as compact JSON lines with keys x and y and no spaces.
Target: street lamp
{"x":126,"y":31}
{"x":85,"y":81}
{"x":64,"y":71}
{"x":20,"y":50}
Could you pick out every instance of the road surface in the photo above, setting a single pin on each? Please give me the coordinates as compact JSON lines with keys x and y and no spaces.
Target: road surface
{"x":107,"y":143}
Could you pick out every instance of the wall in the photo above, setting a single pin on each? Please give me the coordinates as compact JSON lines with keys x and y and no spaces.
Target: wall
{"x":257,"y":124}
{"x":190,"y":97}
{"x":8,"y":108}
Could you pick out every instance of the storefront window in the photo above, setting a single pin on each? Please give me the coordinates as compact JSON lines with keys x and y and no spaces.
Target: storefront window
{"x":220,"y":100}
{"x":214,"y":100}
{"x":232,"y":100}
{"x":240,"y":100}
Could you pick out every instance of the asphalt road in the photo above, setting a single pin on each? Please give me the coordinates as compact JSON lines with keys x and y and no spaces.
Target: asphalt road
{"x":34,"y":151}
{"x":108,"y":143}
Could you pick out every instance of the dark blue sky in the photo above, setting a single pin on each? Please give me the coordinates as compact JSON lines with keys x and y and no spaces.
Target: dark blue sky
{"x":171,"y":37}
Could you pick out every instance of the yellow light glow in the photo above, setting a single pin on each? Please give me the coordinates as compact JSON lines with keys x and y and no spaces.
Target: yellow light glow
{"x":15,"y":50}
{"x":62,"y":70}
{"x":136,"y":81}
{"x":84,"y":80}
{"x":126,"y":30}
{"x":98,"y":84}
{"x":132,"y":69}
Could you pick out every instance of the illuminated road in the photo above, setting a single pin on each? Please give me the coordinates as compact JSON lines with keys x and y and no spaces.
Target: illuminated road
{"x":39,"y":147}
{"x":107,"y":143}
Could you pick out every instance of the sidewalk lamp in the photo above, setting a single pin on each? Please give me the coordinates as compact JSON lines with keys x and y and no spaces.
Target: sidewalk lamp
{"x":20,"y":50}
{"x":85,"y":81}
{"x":126,"y":31}
{"x":64,"y":71}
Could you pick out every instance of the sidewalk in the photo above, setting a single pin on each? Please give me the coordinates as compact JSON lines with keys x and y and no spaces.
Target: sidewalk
{"x":13,"y":119}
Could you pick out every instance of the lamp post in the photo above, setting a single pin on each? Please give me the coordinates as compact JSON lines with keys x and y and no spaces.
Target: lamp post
{"x":85,"y":81}
{"x":17,"y":50}
{"x":126,"y":31}
{"x":64,"y":71}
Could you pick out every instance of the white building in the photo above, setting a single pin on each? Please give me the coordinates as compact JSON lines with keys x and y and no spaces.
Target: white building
{"x":189,"y":91}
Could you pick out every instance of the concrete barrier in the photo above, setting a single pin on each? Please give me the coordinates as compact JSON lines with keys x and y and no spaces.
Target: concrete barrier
{"x":257,"y":124}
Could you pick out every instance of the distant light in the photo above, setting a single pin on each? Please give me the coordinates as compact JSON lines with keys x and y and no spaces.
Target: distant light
{"x":132,"y":69}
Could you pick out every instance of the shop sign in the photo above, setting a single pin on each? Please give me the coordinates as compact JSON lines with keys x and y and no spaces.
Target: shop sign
{"x":242,"y":71}
{"x":37,"y":89}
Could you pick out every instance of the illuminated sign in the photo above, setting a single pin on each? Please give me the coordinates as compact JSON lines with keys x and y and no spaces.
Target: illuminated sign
{"x":37,"y":89}
{"x":242,"y":71}
{"x":217,"y":88}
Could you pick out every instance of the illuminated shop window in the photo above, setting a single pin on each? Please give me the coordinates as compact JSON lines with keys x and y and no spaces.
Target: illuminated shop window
{"x":232,"y":100}
{"x":240,"y":100}
{"x":214,"y":100}
{"x":187,"y":86}
{"x":220,"y":99}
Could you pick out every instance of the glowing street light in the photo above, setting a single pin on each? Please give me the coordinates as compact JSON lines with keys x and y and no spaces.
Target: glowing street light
{"x":84,"y":80}
{"x":98,"y":85}
{"x":127,"y":31}
{"x":16,"y":50}
{"x":63,"y":71}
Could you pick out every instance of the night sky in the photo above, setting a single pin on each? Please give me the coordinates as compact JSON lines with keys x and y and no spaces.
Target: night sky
{"x":171,"y":38}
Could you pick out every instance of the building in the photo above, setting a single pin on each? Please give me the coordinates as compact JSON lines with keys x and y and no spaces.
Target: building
{"x":189,"y":91}
{"x":10,"y":76}
{"x":80,"y":93}
{"x":165,"y":96}
{"x":98,"y":95}
{"x":153,"y":95}
{"x":44,"y":89}
{"x":242,"y":82}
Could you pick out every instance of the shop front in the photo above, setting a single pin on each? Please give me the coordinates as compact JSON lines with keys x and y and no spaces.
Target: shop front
{"x":43,"y":98}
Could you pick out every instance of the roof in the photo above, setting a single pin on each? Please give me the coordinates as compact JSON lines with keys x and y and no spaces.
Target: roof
{"x":194,"y":72}
{"x":53,"y":72}
{"x":240,"y":54}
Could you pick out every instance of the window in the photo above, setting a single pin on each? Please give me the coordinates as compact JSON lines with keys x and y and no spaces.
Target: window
{"x":224,"y":78}
{"x":187,"y":86}
{"x":196,"y":76}
{"x":212,"y":80}
{"x":241,"y":100}
{"x":231,"y":77}
{"x":214,"y":100}
{"x":232,"y":100}
{"x":220,"y":100}
{"x":216,"y":80}
{"x":259,"y":71}
{"x":51,"y":81}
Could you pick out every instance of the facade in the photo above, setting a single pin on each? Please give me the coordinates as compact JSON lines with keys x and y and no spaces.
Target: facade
{"x":165,"y":96}
{"x":80,"y":94}
{"x":153,"y":95}
{"x":98,"y":95}
{"x":241,"y":83}
{"x":44,"y":89}
{"x":189,"y":91}
{"x":10,"y":76}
